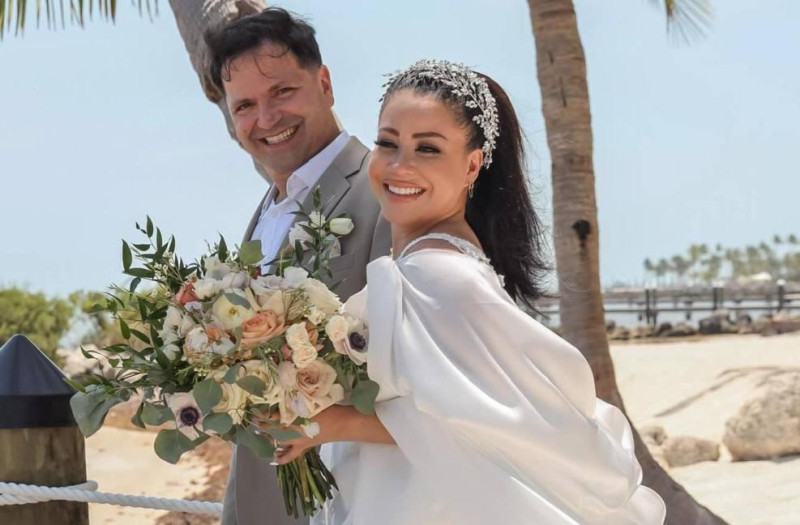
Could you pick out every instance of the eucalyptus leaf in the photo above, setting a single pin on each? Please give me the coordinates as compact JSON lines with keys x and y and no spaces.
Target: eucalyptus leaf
{"x":238,"y":300}
{"x":207,"y":393}
{"x":260,"y":445}
{"x":124,"y":329}
{"x":155,"y":415}
{"x":149,"y":226}
{"x":363,"y":396}
{"x":232,"y":373}
{"x":171,"y":444}
{"x":144,"y":273}
{"x":253,"y":385}
{"x":90,"y":408}
{"x":250,"y":253}
{"x":136,"y":419}
{"x":282,"y":434}
{"x":221,"y":423}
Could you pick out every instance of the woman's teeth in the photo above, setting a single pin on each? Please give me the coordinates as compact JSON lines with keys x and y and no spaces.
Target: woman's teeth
{"x":276,"y":139}
{"x":404,"y":191}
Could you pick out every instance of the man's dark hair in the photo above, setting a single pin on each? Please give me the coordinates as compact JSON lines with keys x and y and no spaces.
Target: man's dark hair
{"x":272,"y":25}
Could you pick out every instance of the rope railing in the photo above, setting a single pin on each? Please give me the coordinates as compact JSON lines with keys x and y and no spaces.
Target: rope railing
{"x":22,"y":494}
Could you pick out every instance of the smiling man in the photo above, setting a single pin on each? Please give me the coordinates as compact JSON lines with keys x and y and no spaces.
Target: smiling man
{"x":280,"y":98}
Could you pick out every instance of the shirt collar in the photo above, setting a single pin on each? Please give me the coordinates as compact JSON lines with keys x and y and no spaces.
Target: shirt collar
{"x":307,"y":175}
{"x":310,"y":172}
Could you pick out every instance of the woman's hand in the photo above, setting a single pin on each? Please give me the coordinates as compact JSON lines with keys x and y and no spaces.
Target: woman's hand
{"x":336,"y":423}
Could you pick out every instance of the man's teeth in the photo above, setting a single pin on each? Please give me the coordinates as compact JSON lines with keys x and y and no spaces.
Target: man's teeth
{"x":404,"y":191}
{"x":275,"y":139}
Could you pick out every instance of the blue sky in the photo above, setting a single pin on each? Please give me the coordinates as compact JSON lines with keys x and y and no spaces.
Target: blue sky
{"x":102,"y":126}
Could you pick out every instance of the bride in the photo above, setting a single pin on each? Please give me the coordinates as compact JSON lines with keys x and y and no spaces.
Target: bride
{"x":484,"y":416}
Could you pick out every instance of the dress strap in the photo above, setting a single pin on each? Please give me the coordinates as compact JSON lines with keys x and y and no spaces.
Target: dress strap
{"x":462,"y":244}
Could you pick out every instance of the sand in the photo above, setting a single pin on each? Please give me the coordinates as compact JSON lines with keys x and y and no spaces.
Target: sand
{"x":123,"y":461}
{"x":688,"y":387}
{"x":692,"y":388}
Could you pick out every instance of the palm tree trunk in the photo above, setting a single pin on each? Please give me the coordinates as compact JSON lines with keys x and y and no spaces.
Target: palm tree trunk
{"x":194,"y":17}
{"x":561,"y":67}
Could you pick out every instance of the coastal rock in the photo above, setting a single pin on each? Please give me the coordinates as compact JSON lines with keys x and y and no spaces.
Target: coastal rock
{"x":767,"y":426}
{"x":780,"y":323}
{"x":718,"y":323}
{"x":680,"y":451}
{"x":654,"y":434}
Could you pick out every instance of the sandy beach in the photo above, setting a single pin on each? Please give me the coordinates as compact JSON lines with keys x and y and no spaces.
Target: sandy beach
{"x":690,"y":387}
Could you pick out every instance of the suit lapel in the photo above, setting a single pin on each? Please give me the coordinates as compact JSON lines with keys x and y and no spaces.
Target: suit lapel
{"x":333,"y":183}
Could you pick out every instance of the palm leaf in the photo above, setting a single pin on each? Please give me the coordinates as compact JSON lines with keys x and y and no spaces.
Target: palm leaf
{"x":13,"y":13}
{"x":687,"y":20}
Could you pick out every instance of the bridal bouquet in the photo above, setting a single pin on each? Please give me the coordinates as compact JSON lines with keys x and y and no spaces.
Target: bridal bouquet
{"x":212,"y":344}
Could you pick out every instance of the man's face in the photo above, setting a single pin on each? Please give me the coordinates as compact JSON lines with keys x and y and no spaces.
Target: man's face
{"x":281,"y":111}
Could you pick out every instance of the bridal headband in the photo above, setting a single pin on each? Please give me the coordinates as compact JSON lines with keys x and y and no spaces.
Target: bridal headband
{"x":467,"y":86}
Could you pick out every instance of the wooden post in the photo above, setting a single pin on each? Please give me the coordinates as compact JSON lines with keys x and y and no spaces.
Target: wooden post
{"x":39,"y":441}
{"x":781,"y":295}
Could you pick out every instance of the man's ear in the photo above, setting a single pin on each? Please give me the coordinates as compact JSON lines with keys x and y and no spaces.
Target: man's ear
{"x":325,"y":80}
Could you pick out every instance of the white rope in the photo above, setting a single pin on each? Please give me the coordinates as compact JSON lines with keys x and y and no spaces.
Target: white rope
{"x":21,"y":494}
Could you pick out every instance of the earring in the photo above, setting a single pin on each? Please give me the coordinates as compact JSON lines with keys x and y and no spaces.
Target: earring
{"x":471,"y":190}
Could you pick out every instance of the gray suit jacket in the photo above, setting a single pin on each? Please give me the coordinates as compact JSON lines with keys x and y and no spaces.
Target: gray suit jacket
{"x":252,"y":496}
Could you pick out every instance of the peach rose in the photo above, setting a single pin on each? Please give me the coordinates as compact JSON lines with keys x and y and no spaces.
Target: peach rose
{"x":261,"y":327}
{"x":186,"y":294}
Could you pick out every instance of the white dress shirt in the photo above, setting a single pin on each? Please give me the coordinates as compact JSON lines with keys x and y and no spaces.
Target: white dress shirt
{"x":277,"y":217}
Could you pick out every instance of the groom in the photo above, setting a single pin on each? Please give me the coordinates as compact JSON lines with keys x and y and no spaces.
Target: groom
{"x":280,"y":99}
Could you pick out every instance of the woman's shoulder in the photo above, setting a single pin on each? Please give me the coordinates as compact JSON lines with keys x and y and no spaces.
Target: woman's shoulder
{"x":437,"y":268}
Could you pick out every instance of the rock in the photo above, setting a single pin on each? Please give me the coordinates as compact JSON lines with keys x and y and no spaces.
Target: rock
{"x":610,"y":325}
{"x":718,"y":323}
{"x":642,"y":331}
{"x":680,"y":451}
{"x":619,"y":333}
{"x":681,"y":330}
{"x":663,"y":329}
{"x":653,"y":433}
{"x":767,"y":426}
{"x":780,"y":323}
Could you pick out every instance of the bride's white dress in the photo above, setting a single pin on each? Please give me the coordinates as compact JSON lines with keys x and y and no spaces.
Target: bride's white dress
{"x":495,"y":417}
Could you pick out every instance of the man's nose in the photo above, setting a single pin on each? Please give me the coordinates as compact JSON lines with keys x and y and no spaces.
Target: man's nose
{"x":268,"y":117}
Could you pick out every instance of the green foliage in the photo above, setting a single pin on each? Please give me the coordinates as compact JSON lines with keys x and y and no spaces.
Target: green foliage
{"x":780,"y":257}
{"x":44,"y":321}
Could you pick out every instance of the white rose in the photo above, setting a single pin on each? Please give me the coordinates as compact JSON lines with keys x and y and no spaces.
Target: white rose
{"x":316,"y":219}
{"x":187,"y":323}
{"x":168,"y":336}
{"x":321,"y":297}
{"x":236,"y":280}
{"x":287,"y":376}
{"x":221,"y":347}
{"x":268,"y":298}
{"x":215,"y":268}
{"x":311,"y":430}
{"x":171,"y":351}
{"x":174,"y":317}
{"x":297,"y":336}
{"x":304,"y":355}
{"x":341,"y":226}
{"x":337,"y":328}
{"x":297,"y":233}
{"x":294,"y":277}
{"x":233,"y":401}
{"x":196,"y":340}
{"x":316,"y":315}
{"x":205,"y":288}
{"x":259,"y":369}
{"x":231,"y":315}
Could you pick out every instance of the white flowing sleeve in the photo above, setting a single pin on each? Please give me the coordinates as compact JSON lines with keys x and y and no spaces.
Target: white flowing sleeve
{"x":496,"y":414}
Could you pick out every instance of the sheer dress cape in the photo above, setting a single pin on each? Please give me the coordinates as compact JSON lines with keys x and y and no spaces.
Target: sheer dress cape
{"x":495,"y":417}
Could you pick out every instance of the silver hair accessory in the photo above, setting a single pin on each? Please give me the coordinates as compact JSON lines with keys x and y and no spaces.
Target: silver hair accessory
{"x":465,"y":84}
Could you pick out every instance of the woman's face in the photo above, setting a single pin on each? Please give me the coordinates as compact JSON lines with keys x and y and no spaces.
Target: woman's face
{"x":422,"y":165}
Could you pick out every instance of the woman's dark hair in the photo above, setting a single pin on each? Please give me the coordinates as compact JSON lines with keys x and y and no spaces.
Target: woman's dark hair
{"x":272,"y":25}
{"x":500,"y":212}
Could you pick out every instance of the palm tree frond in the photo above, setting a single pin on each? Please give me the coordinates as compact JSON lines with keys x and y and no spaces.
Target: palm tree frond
{"x":687,"y":20}
{"x":56,"y":10}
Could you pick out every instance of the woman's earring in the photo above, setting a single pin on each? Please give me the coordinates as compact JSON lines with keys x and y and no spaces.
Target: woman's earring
{"x":471,"y":190}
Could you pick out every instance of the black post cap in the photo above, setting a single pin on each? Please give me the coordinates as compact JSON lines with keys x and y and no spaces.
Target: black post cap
{"x":33,"y":392}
